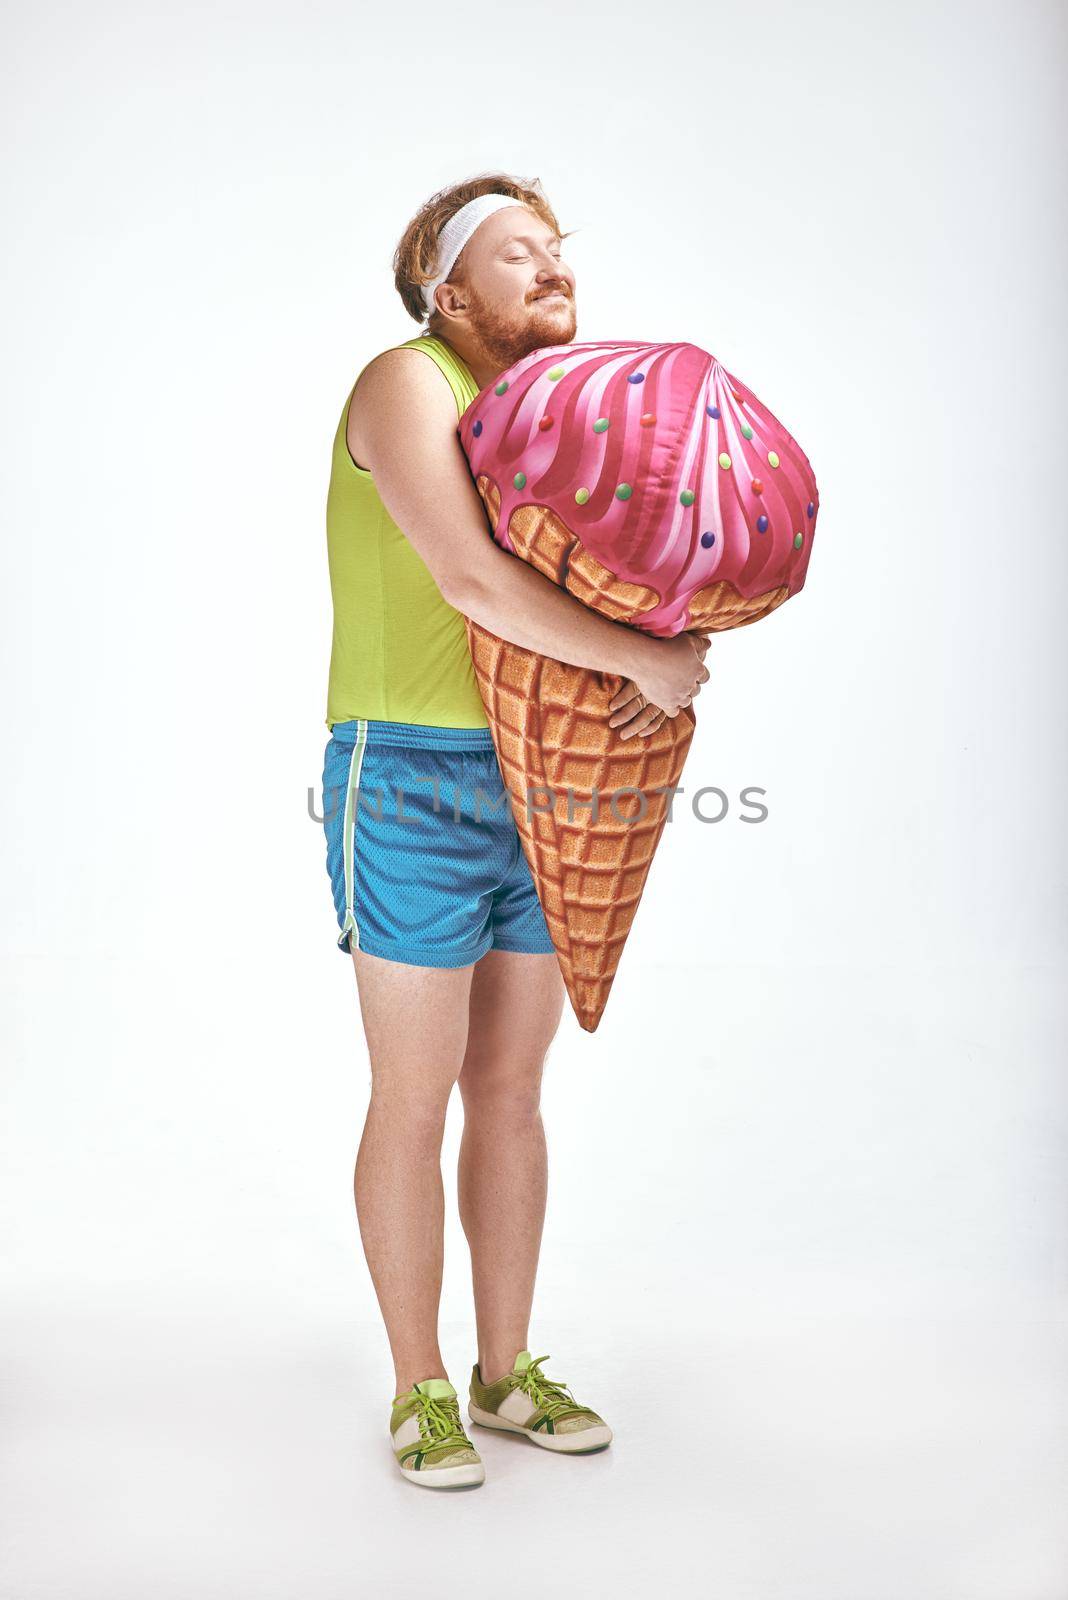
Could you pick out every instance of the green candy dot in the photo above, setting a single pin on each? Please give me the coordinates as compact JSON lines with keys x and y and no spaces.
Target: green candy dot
{"x":724,"y":460}
{"x":520,"y":480}
{"x":501,"y":387}
{"x":581,"y":496}
{"x":556,"y":372}
{"x":623,"y":491}
{"x":687,"y":497}
{"x":798,"y":541}
{"x":773,"y":460}
{"x":747,"y":432}
{"x":600,"y":425}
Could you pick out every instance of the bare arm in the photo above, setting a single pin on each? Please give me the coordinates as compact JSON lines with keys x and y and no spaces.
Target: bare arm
{"x":402,"y":425}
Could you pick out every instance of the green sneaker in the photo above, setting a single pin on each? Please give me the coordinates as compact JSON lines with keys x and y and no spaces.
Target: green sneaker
{"x":526,"y":1401}
{"x":429,"y":1441}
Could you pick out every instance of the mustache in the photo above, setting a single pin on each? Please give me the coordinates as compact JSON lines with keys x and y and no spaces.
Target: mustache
{"x":560,"y":288}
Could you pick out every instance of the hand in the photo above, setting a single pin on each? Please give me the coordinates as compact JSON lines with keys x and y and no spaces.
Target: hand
{"x":633,"y":713}
{"x":670,"y":672}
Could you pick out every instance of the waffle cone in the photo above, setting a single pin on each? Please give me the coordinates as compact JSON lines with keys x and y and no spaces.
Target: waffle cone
{"x":559,"y":760}
{"x":549,"y":723}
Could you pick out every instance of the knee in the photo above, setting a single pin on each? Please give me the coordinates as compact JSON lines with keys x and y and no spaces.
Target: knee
{"x":501,"y":1088}
{"x":416,"y":1113}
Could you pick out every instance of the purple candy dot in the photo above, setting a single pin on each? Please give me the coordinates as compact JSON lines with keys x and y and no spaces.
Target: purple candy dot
{"x":477,"y":429}
{"x":811,"y":509}
{"x":713,"y":411}
{"x":762,"y":524}
{"x":708,"y":540}
{"x":636,"y":377}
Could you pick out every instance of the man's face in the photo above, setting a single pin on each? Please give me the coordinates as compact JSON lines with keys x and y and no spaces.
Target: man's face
{"x":518,"y":293}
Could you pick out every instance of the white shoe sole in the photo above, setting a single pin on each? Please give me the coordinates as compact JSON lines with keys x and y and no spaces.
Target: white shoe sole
{"x":569,"y":1444}
{"x":464,"y":1477}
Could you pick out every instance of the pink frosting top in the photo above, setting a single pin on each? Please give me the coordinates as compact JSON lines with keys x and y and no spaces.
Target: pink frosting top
{"x":664,"y":465}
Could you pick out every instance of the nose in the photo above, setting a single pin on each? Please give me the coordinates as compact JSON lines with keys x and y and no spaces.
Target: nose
{"x":552,"y":270}
{"x":554,"y":275}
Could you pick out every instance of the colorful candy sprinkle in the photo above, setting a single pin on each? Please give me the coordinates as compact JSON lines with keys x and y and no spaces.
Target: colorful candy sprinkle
{"x":477,"y":429}
{"x":600,"y":425}
{"x":762,"y":524}
{"x":581,"y":496}
{"x":648,"y":419}
{"x":758,"y":487}
{"x":501,"y":387}
{"x":713,"y":411}
{"x":636,"y":377}
{"x":520,"y":480}
{"x":747,"y":432}
{"x":724,"y":459}
{"x":773,"y":460}
{"x":545,"y":424}
{"x":708,"y":540}
{"x":798,"y":541}
{"x":556,"y":372}
{"x":811,"y":510}
{"x":623,"y":491}
{"x":687,"y":497}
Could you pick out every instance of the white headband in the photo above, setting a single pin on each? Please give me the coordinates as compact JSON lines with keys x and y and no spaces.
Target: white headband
{"x":456,"y":232}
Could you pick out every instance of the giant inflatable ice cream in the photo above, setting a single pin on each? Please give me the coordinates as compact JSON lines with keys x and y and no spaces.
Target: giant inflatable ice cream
{"x":654,"y":486}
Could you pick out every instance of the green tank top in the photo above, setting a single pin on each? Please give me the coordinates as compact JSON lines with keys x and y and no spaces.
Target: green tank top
{"x":399,"y":650}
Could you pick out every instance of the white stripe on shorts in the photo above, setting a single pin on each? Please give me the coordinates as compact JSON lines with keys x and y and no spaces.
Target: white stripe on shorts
{"x":348,"y":843}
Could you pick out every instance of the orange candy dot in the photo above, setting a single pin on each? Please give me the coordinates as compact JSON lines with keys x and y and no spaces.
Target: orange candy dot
{"x":648,"y":419}
{"x":545,"y":424}
{"x":758,"y":487}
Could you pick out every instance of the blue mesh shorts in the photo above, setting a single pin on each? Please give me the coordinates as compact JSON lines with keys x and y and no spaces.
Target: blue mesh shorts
{"x":421,"y":846}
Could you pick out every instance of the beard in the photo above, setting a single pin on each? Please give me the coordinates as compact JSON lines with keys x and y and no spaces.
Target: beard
{"x":505,"y":337}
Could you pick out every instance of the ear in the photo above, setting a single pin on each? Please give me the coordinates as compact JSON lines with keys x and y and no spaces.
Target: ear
{"x":450,"y":299}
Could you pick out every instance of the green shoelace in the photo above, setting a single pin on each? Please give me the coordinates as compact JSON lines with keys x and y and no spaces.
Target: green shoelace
{"x":549,"y":1395}
{"x":439,"y":1424}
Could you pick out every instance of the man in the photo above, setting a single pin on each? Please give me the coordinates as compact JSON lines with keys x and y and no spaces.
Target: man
{"x":456,"y":975}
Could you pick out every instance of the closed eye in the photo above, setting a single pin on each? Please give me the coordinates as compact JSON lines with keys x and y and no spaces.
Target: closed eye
{"x":514,"y":260}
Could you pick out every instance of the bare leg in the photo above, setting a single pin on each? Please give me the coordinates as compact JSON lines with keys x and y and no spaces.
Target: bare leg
{"x":515,"y":1004}
{"x":416,"y":1021}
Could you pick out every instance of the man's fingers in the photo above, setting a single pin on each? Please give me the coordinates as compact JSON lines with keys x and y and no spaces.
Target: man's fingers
{"x":637,"y":716}
{"x":625,"y":712}
{"x":646,"y":721}
{"x":626,"y":692}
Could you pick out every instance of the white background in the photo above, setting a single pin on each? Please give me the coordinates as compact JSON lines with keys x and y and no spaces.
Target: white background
{"x":805,"y":1245}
